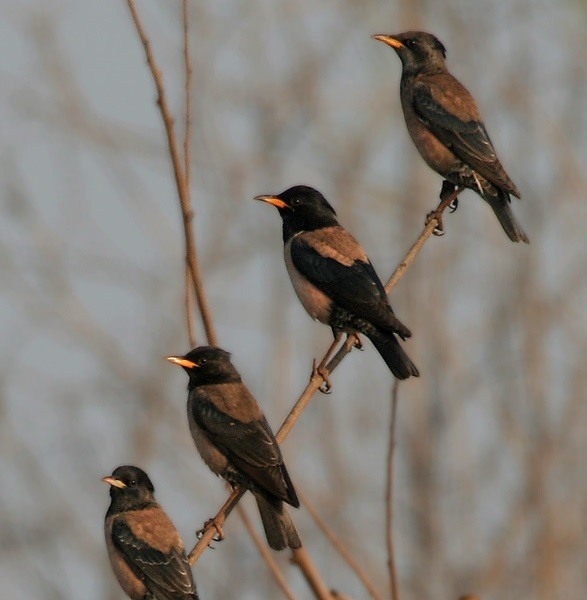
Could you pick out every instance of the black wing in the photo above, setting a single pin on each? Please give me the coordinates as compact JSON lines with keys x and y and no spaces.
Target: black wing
{"x":251,"y":446}
{"x":356,"y":287}
{"x":167,"y":575}
{"x":468,"y":139}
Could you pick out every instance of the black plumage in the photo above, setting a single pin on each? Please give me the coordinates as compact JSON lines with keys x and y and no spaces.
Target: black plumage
{"x":145,"y":550}
{"x":233,"y":437}
{"x":446,"y":126}
{"x":333,"y":277}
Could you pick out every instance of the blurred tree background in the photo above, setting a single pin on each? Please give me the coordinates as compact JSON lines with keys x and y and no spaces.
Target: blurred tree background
{"x":490,"y":491}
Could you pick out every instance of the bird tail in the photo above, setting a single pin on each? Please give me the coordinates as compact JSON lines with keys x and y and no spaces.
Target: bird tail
{"x":500,"y":203}
{"x":279,"y":528}
{"x":393,"y":354}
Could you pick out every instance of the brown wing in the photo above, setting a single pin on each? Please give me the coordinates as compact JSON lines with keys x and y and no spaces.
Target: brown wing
{"x":451,"y":114}
{"x":249,"y":444}
{"x":144,"y":543}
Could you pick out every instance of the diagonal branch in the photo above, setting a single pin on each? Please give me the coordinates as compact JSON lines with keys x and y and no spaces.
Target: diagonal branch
{"x":340,"y":547}
{"x":266,"y":554}
{"x":316,"y":380}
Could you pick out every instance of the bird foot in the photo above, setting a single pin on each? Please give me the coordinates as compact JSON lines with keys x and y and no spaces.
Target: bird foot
{"x":436,"y":215}
{"x":453,"y":205}
{"x":358,"y":343}
{"x":326,"y":387}
{"x":217,"y":524}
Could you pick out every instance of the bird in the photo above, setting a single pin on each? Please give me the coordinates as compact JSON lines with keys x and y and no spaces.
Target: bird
{"x":145,"y":550}
{"x":334,"y":278}
{"x":234,"y":439}
{"x":445,"y":124}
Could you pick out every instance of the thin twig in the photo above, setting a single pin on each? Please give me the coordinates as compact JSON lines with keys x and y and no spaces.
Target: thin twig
{"x":210,"y":532}
{"x":393,"y":584}
{"x":301,"y":558}
{"x":187,"y":142}
{"x":266,"y":554}
{"x":180,"y":180}
{"x":415,"y":249}
{"x":316,"y":380}
{"x":188,"y":308}
{"x":187,"y":155}
{"x":339,"y":546}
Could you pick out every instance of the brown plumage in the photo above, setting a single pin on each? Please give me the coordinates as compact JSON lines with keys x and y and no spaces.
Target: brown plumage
{"x":235,"y":440}
{"x":445,"y":124}
{"x":145,"y":550}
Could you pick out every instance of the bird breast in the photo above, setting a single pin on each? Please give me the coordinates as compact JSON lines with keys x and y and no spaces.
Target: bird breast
{"x":316,"y":303}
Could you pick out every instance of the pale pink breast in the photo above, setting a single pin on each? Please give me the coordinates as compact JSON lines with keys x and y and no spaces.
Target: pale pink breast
{"x":316,"y":303}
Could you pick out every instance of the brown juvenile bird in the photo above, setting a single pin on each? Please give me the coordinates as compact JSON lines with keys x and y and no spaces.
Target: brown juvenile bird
{"x":234,"y":439}
{"x":334,"y":278}
{"x":145,"y":550}
{"x":445,"y":124}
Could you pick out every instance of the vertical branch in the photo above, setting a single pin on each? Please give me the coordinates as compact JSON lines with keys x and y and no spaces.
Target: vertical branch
{"x":389,"y":496}
{"x":187,"y":142}
{"x":180,"y":179}
{"x":187,"y":154}
{"x":188,"y":308}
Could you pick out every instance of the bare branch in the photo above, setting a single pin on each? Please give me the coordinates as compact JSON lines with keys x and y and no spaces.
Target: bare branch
{"x":340,"y":547}
{"x":419,"y":243}
{"x":301,"y":558}
{"x":393,"y":584}
{"x":316,"y":380}
{"x":266,"y":554}
{"x":187,"y":153}
{"x":180,"y":180}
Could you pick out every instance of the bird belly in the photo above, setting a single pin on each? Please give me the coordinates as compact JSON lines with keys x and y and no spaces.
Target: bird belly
{"x":316,"y":302}
{"x":436,"y":155}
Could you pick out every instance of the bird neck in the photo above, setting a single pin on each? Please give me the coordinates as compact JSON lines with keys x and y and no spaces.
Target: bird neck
{"x":214,"y":379}
{"x":124,"y":503}
{"x":413,"y":70}
{"x":292,"y":226}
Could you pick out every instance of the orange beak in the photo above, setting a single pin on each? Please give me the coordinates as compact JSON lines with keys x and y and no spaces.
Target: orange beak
{"x":278,"y":202}
{"x":387,"y":39}
{"x":182,"y":362}
{"x":114,"y":482}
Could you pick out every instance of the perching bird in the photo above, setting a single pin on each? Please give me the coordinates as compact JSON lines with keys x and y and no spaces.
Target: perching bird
{"x":333,"y":277}
{"x":444,"y":122}
{"x":234,"y":439}
{"x":145,"y":550}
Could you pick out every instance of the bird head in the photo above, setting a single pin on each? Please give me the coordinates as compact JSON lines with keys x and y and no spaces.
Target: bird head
{"x":420,"y":52}
{"x":302,"y":208}
{"x":130,"y":487}
{"x":206,"y":365}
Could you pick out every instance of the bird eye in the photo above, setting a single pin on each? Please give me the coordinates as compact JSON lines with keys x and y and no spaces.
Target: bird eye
{"x":203,"y":361}
{"x":411,"y":43}
{"x":295,"y":202}
{"x":132,"y":482}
